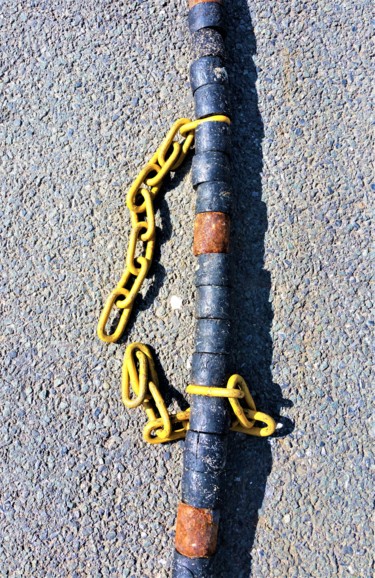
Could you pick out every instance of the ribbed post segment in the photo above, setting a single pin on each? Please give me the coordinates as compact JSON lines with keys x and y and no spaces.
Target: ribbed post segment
{"x":206,"y":441}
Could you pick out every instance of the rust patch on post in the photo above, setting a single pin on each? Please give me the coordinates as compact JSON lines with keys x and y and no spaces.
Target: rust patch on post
{"x":194,"y":2}
{"x":196,"y":531}
{"x":211,"y":233}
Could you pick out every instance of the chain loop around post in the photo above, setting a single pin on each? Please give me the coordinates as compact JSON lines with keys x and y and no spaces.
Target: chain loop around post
{"x":139,"y":373}
{"x":244,"y":418}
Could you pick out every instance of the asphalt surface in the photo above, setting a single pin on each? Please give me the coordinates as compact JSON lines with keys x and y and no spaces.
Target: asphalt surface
{"x":88,"y":90}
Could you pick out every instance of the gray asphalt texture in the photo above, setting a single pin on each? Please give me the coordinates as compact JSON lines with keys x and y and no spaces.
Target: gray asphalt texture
{"x":88,"y":91}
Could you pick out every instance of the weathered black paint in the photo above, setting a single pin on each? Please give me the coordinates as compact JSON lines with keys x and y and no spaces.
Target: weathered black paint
{"x":213,"y":196}
{"x":212,"y":136}
{"x":191,"y":567}
{"x":201,"y":489}
{"x":212,"y":269}
{"x":212,"y":302}
{"x":211,"y":99}
{"x":205,"y":452}
{"x":207,"y":42}
{"x":209,"y":369}
{"x":212,"y":336}
{"x":207,"y":70}
{"x":209,"y":414}
{"x":206,"y":15}
{"x":210,"y":166}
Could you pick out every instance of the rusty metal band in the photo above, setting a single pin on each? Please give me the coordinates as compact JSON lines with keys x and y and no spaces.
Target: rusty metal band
{"x":211,"y":233}
{"x":196,"y":531}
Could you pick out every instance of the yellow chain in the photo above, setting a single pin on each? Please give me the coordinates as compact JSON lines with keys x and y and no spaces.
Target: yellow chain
{"x":244,"y":417}
{"x":138,"y":369}
{"x":162,"y":426}
{"x":139,"y":200}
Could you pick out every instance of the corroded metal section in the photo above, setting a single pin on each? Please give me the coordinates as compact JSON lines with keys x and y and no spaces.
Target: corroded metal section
{"x":211,"y":233}
{"x":196,"y":531}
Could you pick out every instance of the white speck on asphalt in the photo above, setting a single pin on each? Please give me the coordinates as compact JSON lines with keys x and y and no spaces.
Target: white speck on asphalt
{"x":176,"y":302}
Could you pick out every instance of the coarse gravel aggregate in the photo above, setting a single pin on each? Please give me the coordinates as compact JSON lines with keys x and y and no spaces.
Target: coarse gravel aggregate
{"x":88,"y":89}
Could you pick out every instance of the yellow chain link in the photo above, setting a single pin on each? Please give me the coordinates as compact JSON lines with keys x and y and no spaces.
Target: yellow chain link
{"x":244,"y":417}
{"x":138,"y":371}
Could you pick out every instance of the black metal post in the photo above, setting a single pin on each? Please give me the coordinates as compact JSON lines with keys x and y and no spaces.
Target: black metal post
{"x":206,"y":441}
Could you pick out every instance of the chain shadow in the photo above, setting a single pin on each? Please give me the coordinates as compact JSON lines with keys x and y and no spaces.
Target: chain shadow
{"x":157,"y":275}
{"x":249,"y":459}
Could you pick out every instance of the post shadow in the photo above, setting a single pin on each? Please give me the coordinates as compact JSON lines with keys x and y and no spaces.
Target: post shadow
{"x":249,"y":459}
